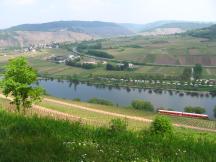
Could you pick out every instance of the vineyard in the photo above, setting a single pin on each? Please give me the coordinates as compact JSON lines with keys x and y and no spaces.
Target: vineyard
{"x":98,"y":115}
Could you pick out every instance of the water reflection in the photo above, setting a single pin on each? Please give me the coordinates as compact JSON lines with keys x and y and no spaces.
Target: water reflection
{"x":175,"y":100}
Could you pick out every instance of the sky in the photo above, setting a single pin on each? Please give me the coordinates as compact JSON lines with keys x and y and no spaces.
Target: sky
{"x":15,"y":12}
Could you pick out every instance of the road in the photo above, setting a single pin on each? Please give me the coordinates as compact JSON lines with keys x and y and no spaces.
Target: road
{"x":75,"y":106}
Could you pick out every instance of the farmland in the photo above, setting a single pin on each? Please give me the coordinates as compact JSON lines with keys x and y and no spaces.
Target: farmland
{"x":166,"y":55}
{"x":168,"y":50}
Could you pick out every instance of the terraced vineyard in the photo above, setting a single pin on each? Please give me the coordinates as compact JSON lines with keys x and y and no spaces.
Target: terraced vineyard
{"x":168,"y":50}
{"x":210,"y":124}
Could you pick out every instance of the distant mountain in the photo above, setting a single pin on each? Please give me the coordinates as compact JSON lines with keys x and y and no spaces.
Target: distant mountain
{"x":60,"y":31}
{"x":133,"y":27}
{"x":183,"y":25}
{"x":27,"y":38}
{"x":209,"y":33}
{"x":94,"y":28}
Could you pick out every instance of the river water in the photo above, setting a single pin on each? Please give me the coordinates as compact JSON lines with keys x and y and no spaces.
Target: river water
{"x":124,"y":96}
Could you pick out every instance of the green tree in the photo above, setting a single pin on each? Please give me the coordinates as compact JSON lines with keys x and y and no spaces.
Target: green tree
{"x":215,"y":111}
{"x":197,"y":110}
{"x":198,"y":69}
{"x":186,"y":75}
{"x":142,"y":105}
{"x":17,"y":82}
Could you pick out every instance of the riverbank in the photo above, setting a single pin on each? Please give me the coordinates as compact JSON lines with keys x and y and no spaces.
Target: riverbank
{"x":100,"y":115}
{"x":140,"y":84}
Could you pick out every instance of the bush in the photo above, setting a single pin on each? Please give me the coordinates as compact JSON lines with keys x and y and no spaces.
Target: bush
{"x":215,"y":111}
{"x":77,"y":99}
{"x":89,"y":66}
{"x":161,"y":125}
{"x":142,"y":105}
{"x":118,"y":125}
{"x":197,"y":110}
{"x":100,"y":101}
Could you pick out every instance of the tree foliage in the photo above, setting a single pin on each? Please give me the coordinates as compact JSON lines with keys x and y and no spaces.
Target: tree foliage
{"x":162,"y":126}
{"x":100,"y":101}
{"x":198,"y":110}
{"x":142,"y":105}
{"x":186,"y":75}
{"x":17,"y":82}
{"x":198,"y":69}
{"x":214,"y":111}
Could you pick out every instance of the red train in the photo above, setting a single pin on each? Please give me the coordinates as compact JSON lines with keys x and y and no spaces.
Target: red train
{"x":177,"y":113}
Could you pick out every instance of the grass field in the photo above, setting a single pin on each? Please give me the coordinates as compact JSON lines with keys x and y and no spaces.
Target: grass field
{"x":26,"y":138}
{"x":98,"y":119}
{"x":175,"y":50}
{"x":35,"y":138}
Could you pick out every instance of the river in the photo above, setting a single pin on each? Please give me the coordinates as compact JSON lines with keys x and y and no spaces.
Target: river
{"x":124,"y":96}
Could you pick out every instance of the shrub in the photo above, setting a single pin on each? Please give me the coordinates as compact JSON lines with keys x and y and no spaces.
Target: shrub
{"x":100,"y":101}
{"x":118,"y":125}
{"x":161,"y":125}
{"x":89,"y":66}
{"x":142,"y":105}
{"x":197,"y":110}
{"x":215,"y":111}
{"x":77,"y":99}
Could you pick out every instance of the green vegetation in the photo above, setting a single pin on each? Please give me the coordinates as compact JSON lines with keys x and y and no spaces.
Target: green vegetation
{"x":43,"y":139}
{"x":99,"y":54}
{"x":198,"y":110}
{"x":18,"y":80}
{"x":100,"y":102}
{"x":186,"y":75}
{"x":215,"y":111}
{"x":162,"y":126}
{"x":198,"y":69}
{"x":161,"y":50}
{"x":117,"y":67}
{"x":142,"y":105}
{"x":209,"y":33}
{"x":118,"y":125}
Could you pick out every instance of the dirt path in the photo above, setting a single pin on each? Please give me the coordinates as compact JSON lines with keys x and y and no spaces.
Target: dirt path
{"x":68,"y":116}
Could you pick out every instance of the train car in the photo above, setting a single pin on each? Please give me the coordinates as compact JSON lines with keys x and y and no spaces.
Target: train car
{"x":184,"y":114}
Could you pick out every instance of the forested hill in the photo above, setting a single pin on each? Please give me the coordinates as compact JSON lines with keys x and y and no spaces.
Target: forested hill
{"x":209,"y":33}
{"x":94,"y":28}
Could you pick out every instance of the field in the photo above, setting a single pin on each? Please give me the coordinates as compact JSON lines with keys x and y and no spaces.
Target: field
{"x":95,"y":118}
{"x":168,"y":50}
{"x":39,"y":62}
{"x":35,"y":138}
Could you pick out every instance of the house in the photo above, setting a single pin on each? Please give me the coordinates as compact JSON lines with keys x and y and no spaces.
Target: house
{"x":131,"y":65}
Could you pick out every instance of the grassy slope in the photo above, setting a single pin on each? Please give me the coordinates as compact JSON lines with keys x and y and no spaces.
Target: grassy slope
{"x":98,"y":119}
{"x":42,"y":139}
{"x":173,"y":48}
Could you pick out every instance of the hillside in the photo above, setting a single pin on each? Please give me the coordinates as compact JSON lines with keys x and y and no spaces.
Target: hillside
{"x":26,"y":38}
{"x":61,"y":31}
{"x":209,"y":33}
{"x":45,"y":139}
{"x":94,"y":28}
{"x":184,"y":25}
